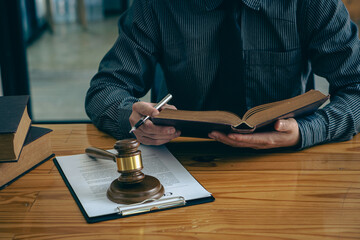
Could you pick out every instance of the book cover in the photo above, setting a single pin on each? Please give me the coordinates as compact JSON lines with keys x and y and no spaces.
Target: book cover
{"x":36,"y":150}
{"x":14,"y":126}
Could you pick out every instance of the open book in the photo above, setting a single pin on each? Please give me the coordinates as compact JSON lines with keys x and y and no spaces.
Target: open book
{"x":200,"y":123}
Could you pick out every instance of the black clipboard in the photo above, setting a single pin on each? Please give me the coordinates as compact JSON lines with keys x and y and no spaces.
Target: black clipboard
{"x":118,"y":215}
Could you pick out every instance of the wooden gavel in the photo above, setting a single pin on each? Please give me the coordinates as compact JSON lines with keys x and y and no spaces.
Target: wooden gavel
{"x":132,"y":186}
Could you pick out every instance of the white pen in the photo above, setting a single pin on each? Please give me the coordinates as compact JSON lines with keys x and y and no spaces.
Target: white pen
{"x":142,"y":120}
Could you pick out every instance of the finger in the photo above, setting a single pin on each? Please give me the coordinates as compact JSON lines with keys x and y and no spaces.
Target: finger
{"x":140,"y":133}
{"x":257,"y":140}
{"x":150,"y":141}
{"x":220,"y":137}
{"x":168,"y":107}
{"x":254,"y":138}
{"x":285,"y":125}
{"x":141,"y":109}
{"x":150,"y":128}
{"x":156,"y":132}
{"x":153,"y":140}
{"x":145,"y":109}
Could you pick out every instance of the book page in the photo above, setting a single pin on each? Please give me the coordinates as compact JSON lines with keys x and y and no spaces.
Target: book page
{"x":310,"y":100}
{"x":91,"y":178}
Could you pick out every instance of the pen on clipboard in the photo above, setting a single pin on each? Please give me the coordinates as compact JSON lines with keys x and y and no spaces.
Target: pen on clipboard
{"x":151,"y":205}
{"x":142,"y":120}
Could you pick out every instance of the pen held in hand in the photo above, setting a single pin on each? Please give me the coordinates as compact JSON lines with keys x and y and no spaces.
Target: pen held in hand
{"x":142,"y":120}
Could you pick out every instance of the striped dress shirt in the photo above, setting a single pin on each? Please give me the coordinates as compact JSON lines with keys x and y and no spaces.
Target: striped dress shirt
{"x":232,"y":55}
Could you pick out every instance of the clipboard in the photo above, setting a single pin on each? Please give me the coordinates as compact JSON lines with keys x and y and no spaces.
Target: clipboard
{"x":146,"y":206}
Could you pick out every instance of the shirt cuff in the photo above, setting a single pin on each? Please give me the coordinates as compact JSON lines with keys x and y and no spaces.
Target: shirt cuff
{"x":124,"y":112}
{"x":313,"y":130}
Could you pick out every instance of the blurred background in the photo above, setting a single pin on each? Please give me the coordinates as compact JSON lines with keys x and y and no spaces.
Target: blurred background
{"x":55,"y":47}
{"x":64,"y":41}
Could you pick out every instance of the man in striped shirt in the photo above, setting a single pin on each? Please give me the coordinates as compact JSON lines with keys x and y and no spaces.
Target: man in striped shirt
{"x":231,"y":55}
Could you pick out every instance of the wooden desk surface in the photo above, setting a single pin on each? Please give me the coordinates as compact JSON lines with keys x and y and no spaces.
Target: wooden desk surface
{"x":311,"y":194}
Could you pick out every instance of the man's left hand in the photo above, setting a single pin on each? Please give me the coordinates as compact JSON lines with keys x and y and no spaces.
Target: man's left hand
{"x":286,"y":134}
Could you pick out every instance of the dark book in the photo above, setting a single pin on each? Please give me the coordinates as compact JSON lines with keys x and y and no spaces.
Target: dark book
{"x":14,"y":126}
{"x":200,"y":123}
{"x":36,"y":150}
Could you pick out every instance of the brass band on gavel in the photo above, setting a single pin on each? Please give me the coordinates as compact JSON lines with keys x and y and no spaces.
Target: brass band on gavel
{"x":132,"y":185}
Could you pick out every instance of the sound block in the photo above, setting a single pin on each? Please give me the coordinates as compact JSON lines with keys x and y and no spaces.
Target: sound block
{"x":150,"y":187}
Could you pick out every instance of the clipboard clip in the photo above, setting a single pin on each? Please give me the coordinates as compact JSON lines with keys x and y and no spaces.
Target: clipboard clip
{"x":151,"y":205}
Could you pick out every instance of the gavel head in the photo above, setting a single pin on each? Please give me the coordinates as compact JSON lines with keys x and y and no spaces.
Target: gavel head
{"x":132,"y":186}
{"x":129,"y":161}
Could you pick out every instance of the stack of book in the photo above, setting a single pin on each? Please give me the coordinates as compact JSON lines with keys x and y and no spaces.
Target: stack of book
{"x":22,"y":146}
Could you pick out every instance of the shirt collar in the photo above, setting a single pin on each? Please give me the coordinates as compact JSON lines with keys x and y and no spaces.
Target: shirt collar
{"x":213,"y":4}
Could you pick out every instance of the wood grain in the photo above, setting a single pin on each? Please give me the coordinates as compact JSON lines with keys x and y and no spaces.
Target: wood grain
{"x":353,"y":6}
{"x":310,"y":194}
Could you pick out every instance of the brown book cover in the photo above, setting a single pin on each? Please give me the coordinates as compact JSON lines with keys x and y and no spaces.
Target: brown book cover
{"x":200,"y":123}
{"x":36,"y":150}
{"x":14,"y":125}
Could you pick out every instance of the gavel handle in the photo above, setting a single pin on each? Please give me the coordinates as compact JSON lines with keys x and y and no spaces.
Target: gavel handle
{"x":100,"y":153}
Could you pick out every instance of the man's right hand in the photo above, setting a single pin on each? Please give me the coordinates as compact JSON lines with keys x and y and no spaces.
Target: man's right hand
{"x":148,"y":133}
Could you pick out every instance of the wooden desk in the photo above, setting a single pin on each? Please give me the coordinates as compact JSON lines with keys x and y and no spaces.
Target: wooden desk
{"x":353,"y":6}
{"x":312,"y":194}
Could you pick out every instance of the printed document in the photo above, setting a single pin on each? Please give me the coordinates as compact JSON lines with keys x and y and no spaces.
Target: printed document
{"x":90,"y":178}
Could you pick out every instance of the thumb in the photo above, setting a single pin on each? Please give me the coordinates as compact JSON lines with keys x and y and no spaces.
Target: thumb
{"x":282,"y":125}
{"x":145,"y":109}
